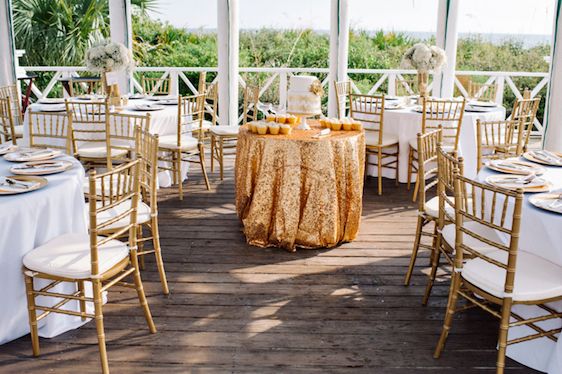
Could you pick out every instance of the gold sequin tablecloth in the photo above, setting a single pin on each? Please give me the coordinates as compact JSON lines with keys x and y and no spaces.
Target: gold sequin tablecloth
{"x":297,"y":191}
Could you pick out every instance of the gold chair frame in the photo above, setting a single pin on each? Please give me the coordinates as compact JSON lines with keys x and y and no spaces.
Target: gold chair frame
{"x":11,"y":93}
{"x":120,"y":135}
{"x":406,"y":86}
{"x":342,"y":90}
{"x":219,"y":142}
{"x":7,"y":130}
{"x":482,"y":91}
{"x":525,"y":111}
{"x":251,"y":100}
{"x":156,"y":86}
{"x":503,"y":139}
{"x":373,"y":106}
{"x":127,"y":178}
{"x":54,"y":126}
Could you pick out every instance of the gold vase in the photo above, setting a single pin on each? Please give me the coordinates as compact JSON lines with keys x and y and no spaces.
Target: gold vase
{"x":112,"y":92}
{"x":423,"y":77}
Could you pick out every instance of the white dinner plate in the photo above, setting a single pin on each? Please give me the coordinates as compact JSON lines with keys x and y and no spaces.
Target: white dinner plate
{"x":483,"y":104}
{"x":544,"y":157}
{"x":16,"y":184}
{"x":148,"y":107}
{"x":51,"y":100}
{"x":513,"y":182}
{"x":478,"y":109}
{"x":51,"y":108}
{"x":168,"y":102}
{"x":548,"y":201}
{"x":7,"y":148}
{"x":26,"y":155}
{"x":162,"y":97}
{"x":45,"y":167}
{"x":515,"y":166}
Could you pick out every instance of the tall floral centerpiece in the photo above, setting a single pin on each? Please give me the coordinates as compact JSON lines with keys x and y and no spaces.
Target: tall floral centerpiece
{"x":424,"y":59}
{"x":105,"y":57}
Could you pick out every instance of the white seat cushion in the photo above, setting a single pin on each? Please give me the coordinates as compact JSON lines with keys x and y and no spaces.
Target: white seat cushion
{"x":18,"y":130}
{"x":194,"y":126}
{"x":98,"y":150}
{"x":69,"y":256}
{"x":414,"y":144}
{"x":432,"y":207}
{"x":372,"y":138}
{"x":225,"y":130}
{"x":535,"y":278}
{"x":143,"y":214}
{"x":188,"y":142}
{"x":449,"y":235}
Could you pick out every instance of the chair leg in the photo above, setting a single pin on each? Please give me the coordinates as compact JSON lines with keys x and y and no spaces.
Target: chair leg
{"x":158,"y":255}
{"x":410,"y":165}
{"x":416,"y":188}
{"x":140,"y":293}
{"x":178,"y":174}
{"x":82,"y":293}
{"x":140,"y":245}
{"x":32,"y":314}
{"x":397,"y":164}
{"x":502,"y":339}
{"x":203,"y":169}
{"x":212,"y":153}
{"x":451,"y":305}
{"x":98,"y":304}
{"x":415,"y":250}
{"x":435,"y":258}
{"x":221,"y":157}
{"x":379,"y":170}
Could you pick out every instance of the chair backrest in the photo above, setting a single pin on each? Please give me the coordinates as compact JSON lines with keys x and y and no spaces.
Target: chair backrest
{"x":447,"y":165}
{"x":202,"y":84}
{"x":251,"y":99}
{"x":212,"y":101}
{"x":343,"y":90}
{"x":50,"y":130}
{"x":493,"y":208}
{"x":147,"y":151}
{"x":498,"y":140}
{"x":93,"y":85}
{"x":120,"y":135}
{"x":191,"y":110}
{"x":12,"y":94}
{"x":444,"y":113}
{"x":482,"y":91}
{"x":525,"y":111}
{"x":156,"y":86}
{"x":406,"y":86}
{"x":115,"y":187}
{"x":88,"y":121}
{"x":371,"y":110}
{"x":7,"y":130}
{"x":427,"y":168}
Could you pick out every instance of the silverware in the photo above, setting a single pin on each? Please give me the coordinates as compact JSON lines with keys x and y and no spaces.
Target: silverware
{"x":13,"y":183}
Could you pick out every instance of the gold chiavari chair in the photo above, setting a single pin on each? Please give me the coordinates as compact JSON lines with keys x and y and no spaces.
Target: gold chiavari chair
{"x":156,"y":86}
{"x":7,"y":128}
{"x":251,"y":100}
{"x":447,"y":113}
{"x":98,"y":258}
{"x":120,"y":136}
{"x":50,"y":130}
{"x":86,"y":86}
{"x":482,"y":91}
{"x":525,"y":111}
{"x":89,"y":123}
{"x":428,"y":209}
{"x":504,"y":275}
{"x":202,"y":84}
{"x":223,"y":137}
{"x":182,"y":146}
{"x":498,"y":140}
{"x":343,"y":90}
{"x":11,"y":93}
{"x":377,"y":143}
{"x":406,"y":86}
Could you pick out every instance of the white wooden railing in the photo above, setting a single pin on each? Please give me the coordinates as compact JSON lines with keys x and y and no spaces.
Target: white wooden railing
{"x":277,"y":80}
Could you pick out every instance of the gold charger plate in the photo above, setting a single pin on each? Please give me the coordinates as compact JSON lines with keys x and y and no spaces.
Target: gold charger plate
{"x":7,"y":148}
{"x":18,"y":170}
{"x":537,"y":185}
{"x":541,"y":201}
{"x":532,"y":168}
{"x":529,"y":156}
{"x":19,"y":156}
{"x":41,"y":182}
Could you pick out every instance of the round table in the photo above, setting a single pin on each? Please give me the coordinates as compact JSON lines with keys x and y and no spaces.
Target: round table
{"x":299,"y":191}
{"x":541,"y":235}
{"x":27,"y":221}
{"x":406,"y":123}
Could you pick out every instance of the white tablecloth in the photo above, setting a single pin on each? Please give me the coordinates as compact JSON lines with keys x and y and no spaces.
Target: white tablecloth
{"x":541,"y":234}
{"x":26,"y":222}
{"x":406,"y":124}
{"x":162,"y":122}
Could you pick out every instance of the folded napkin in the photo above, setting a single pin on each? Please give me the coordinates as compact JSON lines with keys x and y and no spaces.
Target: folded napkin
{"x":548,"y":201}
{"x":39,"y":165}
{"x":322,"y":133}
{"x":547,"y":156}
{"x":48,"y":107}
{"x":504,"y":164}
{"x":9,"y":184}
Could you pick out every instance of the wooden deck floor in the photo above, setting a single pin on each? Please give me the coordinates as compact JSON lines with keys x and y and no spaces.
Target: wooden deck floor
{"x":240,"y":309}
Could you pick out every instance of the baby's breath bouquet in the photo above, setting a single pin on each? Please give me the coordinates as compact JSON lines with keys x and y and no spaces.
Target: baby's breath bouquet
{"x":423,"y":58}
{"x":106,"y":56}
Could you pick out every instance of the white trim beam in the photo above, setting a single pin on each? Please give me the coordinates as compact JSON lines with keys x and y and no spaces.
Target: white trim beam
{"x":228,"y":46}
{"x":446,"y":38}
{"x":552,"y":140}
{"x":339,"y":48}
{"x":120,"y":29}
{"x":7,"y":45}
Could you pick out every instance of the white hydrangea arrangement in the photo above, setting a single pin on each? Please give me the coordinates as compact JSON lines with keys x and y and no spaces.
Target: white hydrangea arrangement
{"x":106,"y":56}
{"x":424,"y":58}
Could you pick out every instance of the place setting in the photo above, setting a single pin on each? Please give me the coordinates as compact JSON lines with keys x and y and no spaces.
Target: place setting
{"x":478,"y":106}
{"x":551,"y":201}
{"x":7,"y":148}
{"x":29,"y":154}
{"x":515,"y":166}
{"x":528,"y":183}
{"x":544,"y":157}
{"x":17,"y":184}
{"x":148,"y":107}
{"x":43,"y":167}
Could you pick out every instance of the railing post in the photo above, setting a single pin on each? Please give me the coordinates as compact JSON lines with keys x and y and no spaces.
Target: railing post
{"x":228,"y":45}
{"x":174,"y":83}
{"x":391,"y":84}
{"x":500,"y":81}
{"x":282,"y":90}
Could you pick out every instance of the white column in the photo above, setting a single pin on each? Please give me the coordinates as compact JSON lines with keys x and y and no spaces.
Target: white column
{"x":7,"y":48}
{"x":339,"y":46}
{"x":227,"y":21}
{"x":552,"y":138}
{"x":121,"y":31}
{"x":447,"y":19}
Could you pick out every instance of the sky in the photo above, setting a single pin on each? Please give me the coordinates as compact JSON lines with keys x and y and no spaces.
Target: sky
{"x":475,"y":16}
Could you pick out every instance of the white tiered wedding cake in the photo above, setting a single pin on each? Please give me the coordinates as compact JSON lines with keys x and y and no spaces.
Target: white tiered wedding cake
{"x":304,"y":95}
